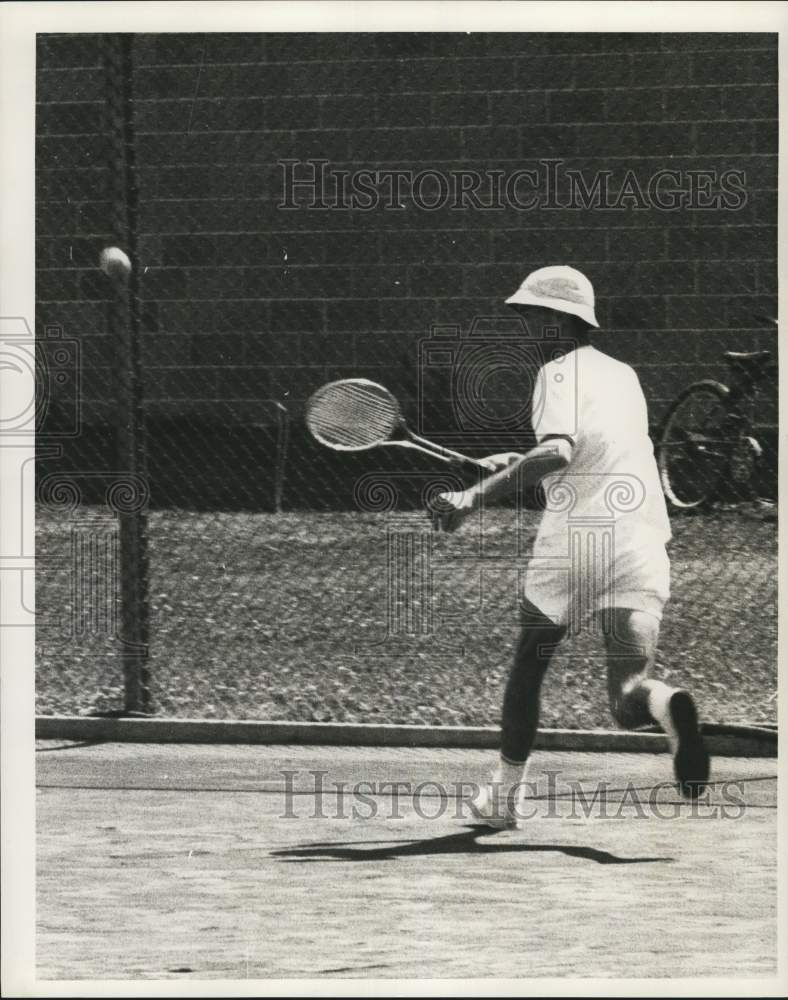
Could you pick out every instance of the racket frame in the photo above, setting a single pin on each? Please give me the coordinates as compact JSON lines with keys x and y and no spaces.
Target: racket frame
{"x":408,"y":439}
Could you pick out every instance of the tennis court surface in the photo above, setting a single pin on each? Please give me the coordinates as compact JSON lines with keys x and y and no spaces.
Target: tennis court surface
{"x":192,"y":861}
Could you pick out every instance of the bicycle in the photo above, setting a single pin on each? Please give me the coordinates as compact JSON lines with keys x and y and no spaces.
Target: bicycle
{"x":706,"y":447}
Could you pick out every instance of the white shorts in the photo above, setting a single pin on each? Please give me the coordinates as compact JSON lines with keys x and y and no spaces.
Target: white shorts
{"x":637,"y":578}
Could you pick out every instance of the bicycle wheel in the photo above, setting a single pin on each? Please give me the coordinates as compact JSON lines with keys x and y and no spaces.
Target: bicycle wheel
{"x":694,"y":445}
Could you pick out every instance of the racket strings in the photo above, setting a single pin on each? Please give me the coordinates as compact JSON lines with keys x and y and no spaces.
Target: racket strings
{"x":350,"y":415}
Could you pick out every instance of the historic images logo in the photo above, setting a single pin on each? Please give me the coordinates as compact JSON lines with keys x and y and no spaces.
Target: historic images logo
{"x":314,"y":794}
{"x":550,"y":185}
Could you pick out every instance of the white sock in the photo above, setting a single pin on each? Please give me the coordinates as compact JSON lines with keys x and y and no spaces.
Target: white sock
{"x":507,"y":775}
{"x":659,"y":695}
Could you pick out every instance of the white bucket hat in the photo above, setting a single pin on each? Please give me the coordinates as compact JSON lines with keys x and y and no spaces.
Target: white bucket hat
{"x":559,"y":287}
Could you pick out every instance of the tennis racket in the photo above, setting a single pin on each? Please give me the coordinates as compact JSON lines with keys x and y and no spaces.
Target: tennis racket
{"x":355,"y":414}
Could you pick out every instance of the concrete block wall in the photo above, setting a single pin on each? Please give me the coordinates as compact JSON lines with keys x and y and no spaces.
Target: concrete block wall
{"x":246,"y":302}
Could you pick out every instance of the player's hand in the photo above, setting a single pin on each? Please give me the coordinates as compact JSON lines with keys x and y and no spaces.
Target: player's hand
{"x":450,"y":509}
{"x":495,"y":463}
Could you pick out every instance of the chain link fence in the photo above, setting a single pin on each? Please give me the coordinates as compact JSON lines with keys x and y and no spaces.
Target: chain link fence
{"x":285,"y":581}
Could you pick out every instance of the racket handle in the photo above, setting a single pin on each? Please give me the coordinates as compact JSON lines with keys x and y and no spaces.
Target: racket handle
{"x":446,"y":453}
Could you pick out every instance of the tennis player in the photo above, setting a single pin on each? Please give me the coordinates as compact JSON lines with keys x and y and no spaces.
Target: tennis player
{"x":600,"y":547}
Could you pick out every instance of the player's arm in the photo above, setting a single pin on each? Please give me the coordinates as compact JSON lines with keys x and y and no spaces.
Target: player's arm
{"x":553,"y":421}
{"x":551,"y":455}
{"x":526,"y":471}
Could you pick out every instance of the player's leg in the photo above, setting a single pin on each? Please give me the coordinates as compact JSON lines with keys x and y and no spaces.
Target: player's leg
{"x":631,"y":645}
{"x":636,"y":699}
{"x":539,"y":637}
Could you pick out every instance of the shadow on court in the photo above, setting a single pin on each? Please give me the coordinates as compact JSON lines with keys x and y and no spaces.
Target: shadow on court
{"x":464,"y":842}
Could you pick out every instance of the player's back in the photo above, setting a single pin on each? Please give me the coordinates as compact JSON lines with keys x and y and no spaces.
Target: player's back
{"x":612,"y":472}
{"x":612,"y":417}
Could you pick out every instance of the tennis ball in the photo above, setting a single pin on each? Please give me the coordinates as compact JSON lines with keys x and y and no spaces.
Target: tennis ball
{"x":114,"y":262}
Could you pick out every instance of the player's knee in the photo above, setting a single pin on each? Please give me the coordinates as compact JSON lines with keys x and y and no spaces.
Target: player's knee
{"x":538,"y":641}
{"x":633,"y":633}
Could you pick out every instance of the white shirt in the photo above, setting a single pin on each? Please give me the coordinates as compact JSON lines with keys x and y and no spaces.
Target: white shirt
{"x":612,"y":477}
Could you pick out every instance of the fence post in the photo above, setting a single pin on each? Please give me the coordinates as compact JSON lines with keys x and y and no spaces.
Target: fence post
{"x":124,"y":328}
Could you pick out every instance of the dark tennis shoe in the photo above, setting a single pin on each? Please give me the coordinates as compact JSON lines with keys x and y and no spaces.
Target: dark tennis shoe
{"x":691,"y":760}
